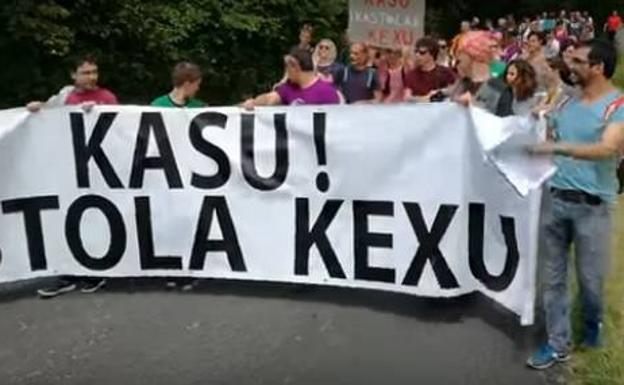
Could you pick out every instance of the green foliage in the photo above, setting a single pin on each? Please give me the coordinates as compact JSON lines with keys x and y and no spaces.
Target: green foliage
{"x":605,"y":366}
{"x":238,"y":43}
{"x":618,"y":79}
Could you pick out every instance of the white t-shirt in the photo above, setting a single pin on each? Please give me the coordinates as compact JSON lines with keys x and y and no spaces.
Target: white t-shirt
{"x":552,"y":48}
{"x":58,"y":100}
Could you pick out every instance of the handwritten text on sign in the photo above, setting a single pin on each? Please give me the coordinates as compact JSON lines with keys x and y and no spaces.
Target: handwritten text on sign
{"x":386,"y":23}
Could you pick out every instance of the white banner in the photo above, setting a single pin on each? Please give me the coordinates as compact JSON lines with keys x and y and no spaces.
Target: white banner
{"x":395,"y":198}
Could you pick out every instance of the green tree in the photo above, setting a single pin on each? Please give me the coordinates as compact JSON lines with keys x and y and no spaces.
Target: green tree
{"x":445,"y":16}
{"x":238,"y":43}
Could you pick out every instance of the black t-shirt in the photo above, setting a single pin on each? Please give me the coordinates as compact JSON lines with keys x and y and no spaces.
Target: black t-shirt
{"x":334,"y":70}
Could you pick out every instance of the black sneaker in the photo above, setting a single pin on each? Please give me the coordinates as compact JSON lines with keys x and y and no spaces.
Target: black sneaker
{"x":91,"y":286}
{"x":61,"y":287}
{"x":184,"y":284}
{"x":189,"y":285}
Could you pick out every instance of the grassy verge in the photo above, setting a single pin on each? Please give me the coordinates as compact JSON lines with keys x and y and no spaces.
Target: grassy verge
{"x":618,"y":79}
{"x":606,"y":366}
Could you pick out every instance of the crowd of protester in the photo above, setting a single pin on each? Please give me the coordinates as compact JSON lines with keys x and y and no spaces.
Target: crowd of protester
{"x":548,"y":65}
{"x":507,"y":66}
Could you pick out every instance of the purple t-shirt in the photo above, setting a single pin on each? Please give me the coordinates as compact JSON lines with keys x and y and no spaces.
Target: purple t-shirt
{"x":319,"y":92}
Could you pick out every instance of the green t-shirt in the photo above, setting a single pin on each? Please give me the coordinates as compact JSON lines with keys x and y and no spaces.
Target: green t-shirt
{"x":166,"y":101}
{"x":497,"y":68}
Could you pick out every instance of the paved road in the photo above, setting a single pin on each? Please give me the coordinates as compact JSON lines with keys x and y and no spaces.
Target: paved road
{"x":254,"y":333}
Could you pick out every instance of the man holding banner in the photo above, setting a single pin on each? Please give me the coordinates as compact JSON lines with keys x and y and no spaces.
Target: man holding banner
{"x":359,"y":82}
{"x":303,"y":86}
{"x":591,"y":133}
{"x":428,"y":76}
{"x":186,"y":78}
{"x":87,"y":93}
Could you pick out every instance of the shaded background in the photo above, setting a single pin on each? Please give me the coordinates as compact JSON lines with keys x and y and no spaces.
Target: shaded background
{"x":238,"y":43}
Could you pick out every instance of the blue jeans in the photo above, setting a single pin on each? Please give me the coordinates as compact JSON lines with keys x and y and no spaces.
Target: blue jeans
{"x":588,"y":228}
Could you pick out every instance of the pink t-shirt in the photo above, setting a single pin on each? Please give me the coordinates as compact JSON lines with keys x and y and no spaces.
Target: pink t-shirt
{"x":394,"y":85}
{"x":97,"y":96}
{"x":319,"y":92}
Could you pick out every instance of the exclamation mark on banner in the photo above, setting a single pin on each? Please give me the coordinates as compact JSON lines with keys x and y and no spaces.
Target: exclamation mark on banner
{"x":322,"y":179}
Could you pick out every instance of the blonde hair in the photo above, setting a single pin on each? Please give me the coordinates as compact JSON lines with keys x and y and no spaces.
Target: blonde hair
{"x":333,"y":52}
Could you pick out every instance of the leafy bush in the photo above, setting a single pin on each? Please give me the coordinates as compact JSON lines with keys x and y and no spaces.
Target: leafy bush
{"x":238,"y":43}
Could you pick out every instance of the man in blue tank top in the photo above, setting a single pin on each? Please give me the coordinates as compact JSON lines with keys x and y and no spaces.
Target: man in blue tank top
{"x":589,"y":134}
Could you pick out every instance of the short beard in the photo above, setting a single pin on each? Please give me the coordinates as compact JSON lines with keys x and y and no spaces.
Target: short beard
{"x":576,"y":80}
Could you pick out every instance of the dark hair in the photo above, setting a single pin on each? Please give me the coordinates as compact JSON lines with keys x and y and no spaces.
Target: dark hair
{"x":85,"y":58}
{"x":602,"y":52}
{"x":430,"y":44}
{"x":567,"y":43}
{"x":540,"y":36}
{"x":304,"y":58}
{"x":185,"y":72}
{"x":527,"y":84}
{"x":557,"y":64}
{"x":508,"y":36}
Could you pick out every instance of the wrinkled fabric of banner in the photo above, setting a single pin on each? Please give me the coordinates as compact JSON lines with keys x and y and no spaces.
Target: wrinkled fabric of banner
{"x":429,"y":200}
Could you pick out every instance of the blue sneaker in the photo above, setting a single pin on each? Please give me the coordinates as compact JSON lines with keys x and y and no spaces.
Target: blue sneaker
{"x":546,"y":357}
{"x":593,"y":336}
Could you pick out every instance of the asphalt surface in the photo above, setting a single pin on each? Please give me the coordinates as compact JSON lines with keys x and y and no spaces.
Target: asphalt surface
{"x":135,"y":332}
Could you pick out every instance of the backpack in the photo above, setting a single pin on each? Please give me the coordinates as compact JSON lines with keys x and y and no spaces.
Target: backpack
{"x":370,"y":72}
{"x":609,"y":111}
{"x":611,"y":108}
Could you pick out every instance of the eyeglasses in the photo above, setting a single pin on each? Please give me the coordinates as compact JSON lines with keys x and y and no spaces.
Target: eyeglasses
{"x":422,"y":51}
{"x":579,"y":62}
{"x":90,"y":72}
